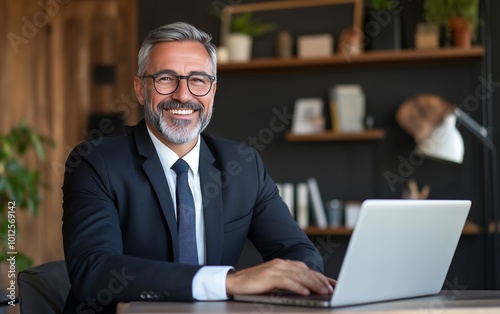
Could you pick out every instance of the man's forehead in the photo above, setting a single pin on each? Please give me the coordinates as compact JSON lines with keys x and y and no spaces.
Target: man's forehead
{"x":180,"y":48}
{"x":189,"y":52}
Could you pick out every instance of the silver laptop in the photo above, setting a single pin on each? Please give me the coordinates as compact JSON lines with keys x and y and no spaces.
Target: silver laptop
{"x":398,"y":249}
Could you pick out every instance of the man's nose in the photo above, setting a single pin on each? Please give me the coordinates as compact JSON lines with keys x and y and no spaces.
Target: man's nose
{"x":182,"y":92}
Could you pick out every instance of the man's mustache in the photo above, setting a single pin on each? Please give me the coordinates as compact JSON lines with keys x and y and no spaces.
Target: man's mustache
{"x":172,"y":104}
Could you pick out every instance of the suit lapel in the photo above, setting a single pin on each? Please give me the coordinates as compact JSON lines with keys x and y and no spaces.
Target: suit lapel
{"x":154,"y":171}
{"x":212,"y":205}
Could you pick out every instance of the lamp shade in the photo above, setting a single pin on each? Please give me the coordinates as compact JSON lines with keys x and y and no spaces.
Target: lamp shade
{"x":444,"y":142}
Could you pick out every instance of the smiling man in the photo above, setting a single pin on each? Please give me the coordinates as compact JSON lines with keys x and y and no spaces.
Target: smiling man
{"x":162,"y":211}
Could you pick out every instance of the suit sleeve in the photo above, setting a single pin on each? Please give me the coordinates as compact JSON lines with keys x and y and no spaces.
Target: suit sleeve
{"x":93,"y":244}
{"x":273,"y":231}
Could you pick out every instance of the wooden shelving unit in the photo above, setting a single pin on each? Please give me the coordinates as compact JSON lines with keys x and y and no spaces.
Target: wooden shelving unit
{"x":372,"y":58}
{"x":315,"y":231}
{"x":368,"y":135}
{"x":406,"y":56}
{"x":470,"y":228}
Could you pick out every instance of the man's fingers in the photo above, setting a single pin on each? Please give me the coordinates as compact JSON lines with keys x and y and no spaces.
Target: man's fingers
{"x":278,"y":274}
{"x":308,"y":280}
{"x":332,"y":281}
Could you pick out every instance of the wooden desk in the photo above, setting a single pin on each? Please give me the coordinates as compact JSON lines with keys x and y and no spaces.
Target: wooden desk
{"x":447,"y":302}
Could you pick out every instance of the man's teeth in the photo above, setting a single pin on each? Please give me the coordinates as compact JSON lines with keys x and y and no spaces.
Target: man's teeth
{"x":181,"y":111}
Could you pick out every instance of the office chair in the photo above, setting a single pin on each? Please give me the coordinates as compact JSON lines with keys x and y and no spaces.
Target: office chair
{"x":44,"y":288}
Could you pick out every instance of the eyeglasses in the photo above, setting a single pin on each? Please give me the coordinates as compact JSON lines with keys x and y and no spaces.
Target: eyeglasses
{"x":167,"y":82}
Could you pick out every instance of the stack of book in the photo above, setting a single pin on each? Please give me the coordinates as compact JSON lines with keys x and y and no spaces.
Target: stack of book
{"x":309,"y":209}
{"x":347,"y":108}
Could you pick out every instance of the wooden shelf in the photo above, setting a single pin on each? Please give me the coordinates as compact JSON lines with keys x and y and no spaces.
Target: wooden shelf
{"x":372,"y":57}
{"x":315,"y":231}
{"x":470,"y":228}
{"x":368,"y":135}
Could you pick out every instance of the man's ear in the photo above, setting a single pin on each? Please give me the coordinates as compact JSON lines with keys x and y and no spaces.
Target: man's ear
{"x":214,"y":88}
{"x":139,"y":89}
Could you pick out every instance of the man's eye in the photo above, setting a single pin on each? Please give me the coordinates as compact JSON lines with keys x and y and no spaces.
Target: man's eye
{"x":199,"y":79}
{"x":165,"y":79}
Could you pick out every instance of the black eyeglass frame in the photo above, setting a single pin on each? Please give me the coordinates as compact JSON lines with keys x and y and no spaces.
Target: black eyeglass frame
{"x":179,"y":78}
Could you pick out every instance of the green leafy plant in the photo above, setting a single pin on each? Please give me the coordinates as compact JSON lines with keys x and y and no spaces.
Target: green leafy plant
{"x":19,"y":185}
{"x":441,"y":11}
{"x":379,"y":5}
{"x":246,"y":24}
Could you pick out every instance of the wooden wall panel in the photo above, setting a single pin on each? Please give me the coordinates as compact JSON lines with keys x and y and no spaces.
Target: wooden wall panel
{"x":47,"y":58}
{"x":24,"y":95}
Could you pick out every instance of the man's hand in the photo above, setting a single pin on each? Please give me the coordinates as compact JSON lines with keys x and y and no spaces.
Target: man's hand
{"x":278,"y":274}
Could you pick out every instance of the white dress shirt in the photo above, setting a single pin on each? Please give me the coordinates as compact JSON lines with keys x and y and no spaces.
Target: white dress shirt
{"x":209,"y":283}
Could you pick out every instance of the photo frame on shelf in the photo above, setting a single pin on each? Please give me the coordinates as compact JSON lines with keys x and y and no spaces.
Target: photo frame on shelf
{"x":308,"y":116}
{"x":230,"y":10}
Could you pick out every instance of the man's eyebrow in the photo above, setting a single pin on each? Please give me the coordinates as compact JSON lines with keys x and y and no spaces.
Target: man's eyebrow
{"x":165,"y":71}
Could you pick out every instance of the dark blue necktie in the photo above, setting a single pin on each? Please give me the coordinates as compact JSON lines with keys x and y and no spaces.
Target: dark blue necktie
{"x":185,"y":215}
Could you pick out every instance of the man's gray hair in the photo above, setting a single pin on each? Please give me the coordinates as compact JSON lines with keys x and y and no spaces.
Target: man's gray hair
{"x":175,"y":32}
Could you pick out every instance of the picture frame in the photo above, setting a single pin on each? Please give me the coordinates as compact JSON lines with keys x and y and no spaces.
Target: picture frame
{"x":308,"y":116}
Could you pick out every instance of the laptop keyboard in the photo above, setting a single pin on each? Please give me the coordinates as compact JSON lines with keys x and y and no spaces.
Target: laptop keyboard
{"x":288,"y":294}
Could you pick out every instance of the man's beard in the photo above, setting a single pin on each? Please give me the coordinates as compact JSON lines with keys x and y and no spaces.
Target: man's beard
{"x":178,"y":131}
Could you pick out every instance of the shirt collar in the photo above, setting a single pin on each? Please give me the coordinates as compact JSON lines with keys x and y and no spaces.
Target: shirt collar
{"x":168,"y":157}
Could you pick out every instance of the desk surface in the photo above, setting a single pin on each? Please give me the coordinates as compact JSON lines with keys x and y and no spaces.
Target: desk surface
{"x":447,"y":302}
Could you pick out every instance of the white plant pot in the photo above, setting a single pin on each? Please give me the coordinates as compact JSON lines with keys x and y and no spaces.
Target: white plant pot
{"x":239,"y":47}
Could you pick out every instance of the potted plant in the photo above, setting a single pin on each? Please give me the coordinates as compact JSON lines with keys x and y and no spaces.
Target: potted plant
{"x":243,"y":28}
{"x":383,"y":25}
{"x":459,"y":17}
{"x":19,"y":186}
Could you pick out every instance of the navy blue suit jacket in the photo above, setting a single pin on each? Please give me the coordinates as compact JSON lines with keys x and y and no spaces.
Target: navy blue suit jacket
{"x":119,"y":226}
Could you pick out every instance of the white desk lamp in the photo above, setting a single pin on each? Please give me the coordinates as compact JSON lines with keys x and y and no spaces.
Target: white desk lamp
{"x":444,"y":142}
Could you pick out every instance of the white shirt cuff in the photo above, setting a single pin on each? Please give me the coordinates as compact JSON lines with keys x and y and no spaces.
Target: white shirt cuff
{"x":209,"y":283}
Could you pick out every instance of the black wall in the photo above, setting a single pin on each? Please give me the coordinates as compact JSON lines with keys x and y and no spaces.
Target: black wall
{"x":247,"y":101}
